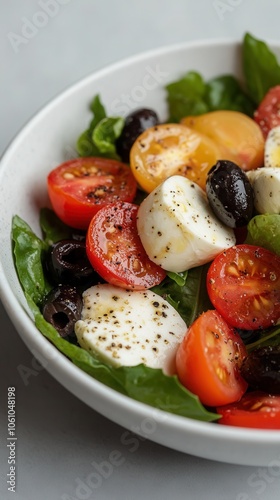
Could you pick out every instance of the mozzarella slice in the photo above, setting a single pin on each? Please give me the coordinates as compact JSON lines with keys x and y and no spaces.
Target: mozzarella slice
{"x":178,"y":228}
{"x":272,"y":148}
{"x":127,"y":327}
{"x":266,"y":185}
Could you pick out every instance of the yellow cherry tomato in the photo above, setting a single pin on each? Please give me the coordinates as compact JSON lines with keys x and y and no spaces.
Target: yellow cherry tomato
{"x":170,"y":149}
{"x":239,"y":137}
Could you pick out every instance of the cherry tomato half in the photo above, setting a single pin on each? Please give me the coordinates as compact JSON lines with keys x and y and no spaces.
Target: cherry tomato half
{"x":238,"y":136}
{"x":268,"y":113}
{"x":170,"y":149}
{"x":255,"y":409}
{"x":79,"y":188}
{"x":115,"y":249}
{"x":209,"y":358}
{"x":243,"y":284}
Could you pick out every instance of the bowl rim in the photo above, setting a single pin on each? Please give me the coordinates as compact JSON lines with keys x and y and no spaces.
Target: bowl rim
{"x":64,"y":367}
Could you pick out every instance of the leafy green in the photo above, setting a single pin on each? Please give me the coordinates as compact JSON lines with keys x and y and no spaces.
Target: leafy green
{"x":105,"y":134}
{"x":100,"y":138}
{"x":260,"y":67}
{"x":186,"y":97}
{"x":191,"y":96}
{"x":224,"y":92}
{"x":191,"y":299}
{"x":53,"y":228}
{"x":148,"y":385}
{"x":28,"y":253}
{"x":264,"y":230}
{"x":98,"y":111}
{"x":85,"y":146}
{"x":179,"y":278}
{"x":267,"y":337}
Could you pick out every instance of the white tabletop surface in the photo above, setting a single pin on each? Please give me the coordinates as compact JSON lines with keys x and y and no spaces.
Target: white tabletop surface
{"x":58,"y":436}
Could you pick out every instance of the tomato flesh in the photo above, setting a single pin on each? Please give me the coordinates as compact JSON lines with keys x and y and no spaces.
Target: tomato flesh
{"x":243,"y":284}
{"x":170,"y":149}
{"x":268,"y":113}
{"x":255,"y":409}
{"x":115,"y":249}
{"x":236,"y":134}
{"x":209,"y":358}
{"x":79,"y":188}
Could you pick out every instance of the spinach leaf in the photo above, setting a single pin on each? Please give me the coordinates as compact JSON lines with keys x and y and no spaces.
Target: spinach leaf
{"x":152,"y":387}
{"x":191,"y":299}
{"x":260,"y":67}
{"x":270,"y":336}
{"x":264,"y":230}
{"x":148,"y":385}
{"x":179,"y":278}
{"x":85,"y":146}
{"x":105,"y":134}
{"x":186,"y":97}
{"x":53,"y":228}
{"x":144,"y":384}
{"x":191,"y":95}
{"x":100,"y":138}
{"x":224,"y":92}
{"x":98,"y":111}
{"x":28,"y":253}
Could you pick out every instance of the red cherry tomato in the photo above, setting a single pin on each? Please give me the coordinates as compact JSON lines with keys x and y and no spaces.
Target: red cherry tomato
{"x":79,"y":188}
{"x":256,"y":410}
{"x":243,"y":284}
{"x":209,"y":358}
{"x":115,"y":249}
{"x":268,"y":112}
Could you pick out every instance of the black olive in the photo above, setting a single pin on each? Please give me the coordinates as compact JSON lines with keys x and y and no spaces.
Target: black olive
{"x":261,"y":369}
{"x":136,"y":122}
{"x":67,"y":263}
{"x":230,"y":194}
{"x":62,"y":308}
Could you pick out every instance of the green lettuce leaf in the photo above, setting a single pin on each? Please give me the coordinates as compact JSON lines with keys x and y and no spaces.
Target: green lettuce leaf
{"x":148,"y":385}
{"x":267,"y":337}
{"x":28,"y":253}
{"x":98,"y":111}
{"x":191,"y":299}
{"x":224,"y":92}
{"x":191,"y":96}
{"x":105,"y":134}
{"x":264,"y":230}
{"x":53,"y":228}
{"x":100,"y":138}
{"x":186,"y":97}
{"x":85,"y":146}
{"x":260,"y":68}
{"x":179,"y":278}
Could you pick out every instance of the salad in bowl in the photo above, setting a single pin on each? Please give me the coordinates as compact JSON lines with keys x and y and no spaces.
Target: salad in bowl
{"x":151,"y":258}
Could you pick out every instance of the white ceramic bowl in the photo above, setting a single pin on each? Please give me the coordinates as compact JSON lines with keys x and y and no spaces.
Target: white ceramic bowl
{"x":47,"y":140}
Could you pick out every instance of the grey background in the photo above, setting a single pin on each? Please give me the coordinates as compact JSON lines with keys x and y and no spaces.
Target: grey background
{"x":58,"y":436}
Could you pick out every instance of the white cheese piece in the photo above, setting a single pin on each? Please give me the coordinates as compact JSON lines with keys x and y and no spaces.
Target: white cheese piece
{"x":178,"y":228}
{"x":272,"y":148}
{"x":127,"y":327}
{"x":266,"y":186}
